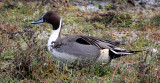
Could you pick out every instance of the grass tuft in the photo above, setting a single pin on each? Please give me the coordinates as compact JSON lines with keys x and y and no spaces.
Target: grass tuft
{"x":24,"y":56}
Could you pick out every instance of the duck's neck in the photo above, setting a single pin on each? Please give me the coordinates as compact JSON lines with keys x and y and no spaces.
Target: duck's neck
{"x":55,"y":35}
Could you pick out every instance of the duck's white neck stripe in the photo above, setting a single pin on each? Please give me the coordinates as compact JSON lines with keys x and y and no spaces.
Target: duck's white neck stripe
{"x":55,"y":34}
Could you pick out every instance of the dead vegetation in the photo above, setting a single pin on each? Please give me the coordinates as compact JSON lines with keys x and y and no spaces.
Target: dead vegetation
{"x":24,"y":57}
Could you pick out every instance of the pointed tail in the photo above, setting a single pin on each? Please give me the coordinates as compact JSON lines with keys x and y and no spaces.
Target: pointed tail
{"x":114,"y":53}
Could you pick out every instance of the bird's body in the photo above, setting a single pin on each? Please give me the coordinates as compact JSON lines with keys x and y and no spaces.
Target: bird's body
{"x":79,"y":47}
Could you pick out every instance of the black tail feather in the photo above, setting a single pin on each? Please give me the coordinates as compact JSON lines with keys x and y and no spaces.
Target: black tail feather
{"x":118,"y":53}
{"x":127,"y":51}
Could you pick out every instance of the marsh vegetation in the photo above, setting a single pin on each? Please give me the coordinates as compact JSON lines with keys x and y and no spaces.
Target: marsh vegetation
{"x":24,"y":57}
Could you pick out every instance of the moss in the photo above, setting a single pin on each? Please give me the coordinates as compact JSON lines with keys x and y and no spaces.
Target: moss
{"x":156,"y":20}
{"x":35,"y":64}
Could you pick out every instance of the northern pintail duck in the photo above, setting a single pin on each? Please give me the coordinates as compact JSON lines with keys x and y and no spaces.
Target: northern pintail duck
{"x":79,"y":47}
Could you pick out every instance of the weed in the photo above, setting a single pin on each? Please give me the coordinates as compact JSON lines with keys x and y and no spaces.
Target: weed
{"x":24,"y":57}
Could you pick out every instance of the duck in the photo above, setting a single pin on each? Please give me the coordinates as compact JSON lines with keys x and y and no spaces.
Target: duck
{"x":78,"y":46}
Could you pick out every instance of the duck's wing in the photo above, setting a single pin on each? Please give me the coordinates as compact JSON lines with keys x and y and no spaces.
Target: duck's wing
{"x":100,"y":43}
{"x":89,"y":40}
{"x":114,"y":50}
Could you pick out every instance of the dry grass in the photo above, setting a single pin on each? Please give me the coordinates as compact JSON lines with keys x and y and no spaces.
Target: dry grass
{"x":24,"y":57}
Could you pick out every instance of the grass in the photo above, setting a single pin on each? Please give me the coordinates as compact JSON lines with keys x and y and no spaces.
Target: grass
{"x":23,"y":56}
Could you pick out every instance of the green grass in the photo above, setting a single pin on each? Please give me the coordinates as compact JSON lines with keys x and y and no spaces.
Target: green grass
{"x":23,"y":57}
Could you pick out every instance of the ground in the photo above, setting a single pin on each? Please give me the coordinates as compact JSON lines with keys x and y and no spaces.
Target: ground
{"x":24,"y":57}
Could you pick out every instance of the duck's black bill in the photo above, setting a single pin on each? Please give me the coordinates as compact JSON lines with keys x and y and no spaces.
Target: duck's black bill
{"x":38,"y":21}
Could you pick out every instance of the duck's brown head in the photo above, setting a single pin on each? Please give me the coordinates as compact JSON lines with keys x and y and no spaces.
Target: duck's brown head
{"x":51,"y":17}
